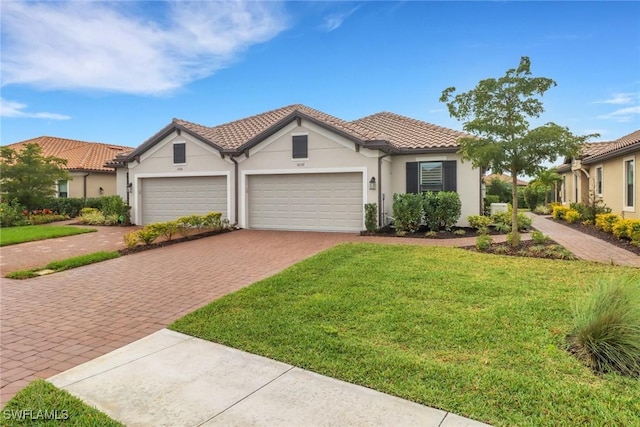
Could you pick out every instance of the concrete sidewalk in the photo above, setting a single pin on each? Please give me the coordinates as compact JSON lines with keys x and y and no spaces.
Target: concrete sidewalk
{"x":172,"y":379}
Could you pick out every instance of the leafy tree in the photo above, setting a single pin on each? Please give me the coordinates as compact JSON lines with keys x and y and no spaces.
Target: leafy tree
{"x":547,"y":178}
{"x":502,"y":189}
{"x":28,"y":176}
{"x":497,"y":112}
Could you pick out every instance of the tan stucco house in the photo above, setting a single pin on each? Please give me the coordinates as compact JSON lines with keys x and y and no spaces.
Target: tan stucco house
{"x":88,"y":175}
{"x":606,"y":171}
{"x":293,"y":168}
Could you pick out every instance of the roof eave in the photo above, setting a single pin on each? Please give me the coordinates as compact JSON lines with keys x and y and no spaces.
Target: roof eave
{"x":424,"y":150}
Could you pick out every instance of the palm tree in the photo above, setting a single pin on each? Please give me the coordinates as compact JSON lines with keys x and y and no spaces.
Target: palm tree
{"x":548,"y":178}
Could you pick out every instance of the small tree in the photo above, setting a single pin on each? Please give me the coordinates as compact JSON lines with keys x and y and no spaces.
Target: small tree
{"x":547,"y":178}
{"x":497,"y":113}
{"x":28,"y":176}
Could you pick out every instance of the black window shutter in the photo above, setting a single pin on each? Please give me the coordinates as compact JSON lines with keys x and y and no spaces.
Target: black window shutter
{"x":412,"y":177}
{"x":450,"y":183}
{"x":300,"y":148}
{"x":179,"y":153}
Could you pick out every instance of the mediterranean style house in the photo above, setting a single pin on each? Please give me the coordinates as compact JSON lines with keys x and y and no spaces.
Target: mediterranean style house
{"x":604,"y":171}
{"x":88,"y":175}
{"x":293,"y":168}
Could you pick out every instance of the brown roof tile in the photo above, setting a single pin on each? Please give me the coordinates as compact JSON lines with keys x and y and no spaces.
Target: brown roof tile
{"x":504,"y":178}
{"x":237,"y":133}
{"x":407,"y":133}
{"x":605,"y":149}
{"x":80,"y":155}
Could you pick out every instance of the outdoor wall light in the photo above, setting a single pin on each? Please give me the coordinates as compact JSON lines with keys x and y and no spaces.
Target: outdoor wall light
{"x":101,"y":190}
{"x":372,"y":183}
{"x":130,"y":187}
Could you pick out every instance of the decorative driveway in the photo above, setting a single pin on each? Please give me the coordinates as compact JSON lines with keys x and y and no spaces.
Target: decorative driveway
{"x":52,"y":323}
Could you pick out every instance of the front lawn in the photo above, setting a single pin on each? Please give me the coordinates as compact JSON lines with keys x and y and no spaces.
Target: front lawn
{"x":28,"y":233}
{"x":478,"y":335}
{"x":43,"y":404}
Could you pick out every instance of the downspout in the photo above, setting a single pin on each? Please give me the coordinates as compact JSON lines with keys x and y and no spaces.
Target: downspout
{"x":235,"y":189}
{"x":84,"y":191}
{"x":127,"y":188}
{"x":380,"y":207}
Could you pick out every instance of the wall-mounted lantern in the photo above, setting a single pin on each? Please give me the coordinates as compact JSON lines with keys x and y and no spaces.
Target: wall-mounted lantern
{"x":372,"y":183}
{"x":101,"y":190}
{"x":130,"y":187}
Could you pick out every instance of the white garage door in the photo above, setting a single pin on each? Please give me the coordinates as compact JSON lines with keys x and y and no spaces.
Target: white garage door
{"x":165,"y":199}
{"x":321,"y":202}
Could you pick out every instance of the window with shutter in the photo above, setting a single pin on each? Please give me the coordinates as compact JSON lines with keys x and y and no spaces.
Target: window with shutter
{"x":431,"y":177}
{"x":300,"y":147}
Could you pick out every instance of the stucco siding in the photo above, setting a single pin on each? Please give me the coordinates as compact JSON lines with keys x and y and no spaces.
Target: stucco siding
{"x":93,"y":182}
{"x":467,"y":178}
{"x":613,"y":194}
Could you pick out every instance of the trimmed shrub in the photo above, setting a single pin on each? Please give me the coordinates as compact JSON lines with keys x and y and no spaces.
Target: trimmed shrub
{"x":460,"y":232}
{"x":588,"y":211}
{"x":480,"y":223}
{"x":448,"y":208}
{"x":572,"y":216}
{"x":166,"y":229}
{"x":370,"y":217}
{"x":502,"y":221}
{"x":212,"y":220}
{"x":131,"y":239}
{"x":483,"y":242}
{"x":45,"y":218}
{"x":115,"y":206}
{"x":559,"y":211}
{"x":606,"y":334}
{"x":542,"y":210}
{"x":605,"y":222}
{"x":407,"y":211}
{"x":539,"y":238}
{"x":147,"y":235}
{"x":11,"y":214}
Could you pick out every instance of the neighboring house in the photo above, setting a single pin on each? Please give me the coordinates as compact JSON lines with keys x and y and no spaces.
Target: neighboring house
{"x":88,"y":175}
{"x":606,"y":171}
{"x":504,"y":178}
{"x":294,"y":168}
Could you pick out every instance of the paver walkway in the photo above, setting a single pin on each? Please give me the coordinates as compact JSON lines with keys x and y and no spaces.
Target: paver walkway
{"x":40,"y":253}
{"x":582,"y":245}
{"x":52,"y":323}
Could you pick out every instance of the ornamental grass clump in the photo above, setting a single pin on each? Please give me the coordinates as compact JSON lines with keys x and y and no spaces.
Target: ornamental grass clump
{"x":606,"y":334}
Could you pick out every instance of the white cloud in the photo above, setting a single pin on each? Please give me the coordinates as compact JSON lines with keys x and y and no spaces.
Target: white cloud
{"x":620,"y":99}
{"x":15,"y":109}
{"x":623,"y":114}
{"x":335,"y":20}
{"x":114,"y":47}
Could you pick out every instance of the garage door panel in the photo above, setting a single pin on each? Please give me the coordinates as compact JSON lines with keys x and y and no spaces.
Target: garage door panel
{"x":330,"y":202}
{"x":165,"y":199}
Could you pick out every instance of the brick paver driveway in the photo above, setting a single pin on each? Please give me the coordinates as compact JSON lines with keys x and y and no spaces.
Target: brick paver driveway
{"x":52,"y":323}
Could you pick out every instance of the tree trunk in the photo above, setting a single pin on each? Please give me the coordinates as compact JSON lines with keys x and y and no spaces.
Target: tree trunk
{"x":514,"y":239}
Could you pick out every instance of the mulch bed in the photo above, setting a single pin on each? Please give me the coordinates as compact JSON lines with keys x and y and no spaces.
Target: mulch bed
{"x":422,"y":233}
{"x":528,"y":248}
{"x":591,"y":230}
{"x":142,"y":248}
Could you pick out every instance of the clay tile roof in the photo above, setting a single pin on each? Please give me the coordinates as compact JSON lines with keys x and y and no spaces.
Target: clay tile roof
{"x":603,"y":149}
{"x":239,"y":132}
{"x":80,"y":155}
{"x":407,"y":133}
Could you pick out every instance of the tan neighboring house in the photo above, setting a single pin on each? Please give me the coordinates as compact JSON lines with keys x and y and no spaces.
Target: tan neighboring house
{"x":504,"y":178}
{"x":88,"y":175}
{"x":606,"y":171}
{"x":293,"y":168}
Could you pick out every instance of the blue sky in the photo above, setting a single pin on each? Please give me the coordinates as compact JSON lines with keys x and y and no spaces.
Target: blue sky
{"x":118,"y":72}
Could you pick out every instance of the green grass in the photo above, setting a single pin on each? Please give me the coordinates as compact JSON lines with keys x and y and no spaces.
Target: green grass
{"x":29,"y":233}
{"x":65,"y":264}
{"x":480,"y":335}
{"x":40,"y":402}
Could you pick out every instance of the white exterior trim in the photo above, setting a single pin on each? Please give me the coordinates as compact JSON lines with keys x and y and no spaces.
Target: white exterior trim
{"x":242,"y":194}
{"x":626,"y":208}
{"x":137,"y":177}
{"x":595,"y":180}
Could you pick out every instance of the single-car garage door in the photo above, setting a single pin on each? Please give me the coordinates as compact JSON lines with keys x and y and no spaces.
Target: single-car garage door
{"x":165,"y":199}
{"x":322,"y":202}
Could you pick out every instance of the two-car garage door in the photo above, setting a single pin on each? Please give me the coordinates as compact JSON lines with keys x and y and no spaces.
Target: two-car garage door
{"x":169,"y":198}
{"x":321,"y":201}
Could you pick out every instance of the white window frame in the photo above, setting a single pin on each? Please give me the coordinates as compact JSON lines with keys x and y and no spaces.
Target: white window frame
{"x":600,"y":169}
{"x":420,"y":180}
{"x":625,"y":206}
